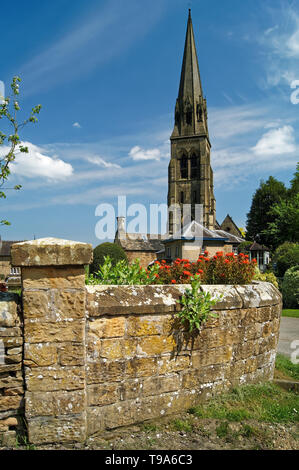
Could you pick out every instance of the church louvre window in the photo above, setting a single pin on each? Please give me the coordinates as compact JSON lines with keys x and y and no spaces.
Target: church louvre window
{"x":189,"y":117}
{"x":195,"y":171}
{"x":184,"y":167}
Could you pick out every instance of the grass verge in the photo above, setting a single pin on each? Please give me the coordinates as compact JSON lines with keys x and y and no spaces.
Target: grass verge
{"x":265,"y":402}
{"x":284,"y":365}
{"x":290,"y":312}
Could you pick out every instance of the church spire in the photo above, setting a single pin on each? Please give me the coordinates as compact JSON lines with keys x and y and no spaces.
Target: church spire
{"x":190,"y":112}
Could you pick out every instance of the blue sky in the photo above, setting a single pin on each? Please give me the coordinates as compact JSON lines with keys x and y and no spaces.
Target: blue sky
{"x":107,"y":76}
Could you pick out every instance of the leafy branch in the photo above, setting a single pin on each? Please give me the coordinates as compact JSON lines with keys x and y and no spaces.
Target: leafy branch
{"x":9,"y":107}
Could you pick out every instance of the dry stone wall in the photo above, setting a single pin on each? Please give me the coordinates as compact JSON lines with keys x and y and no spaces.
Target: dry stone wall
{"x":100,"y":357}
{"x":11,"y":374}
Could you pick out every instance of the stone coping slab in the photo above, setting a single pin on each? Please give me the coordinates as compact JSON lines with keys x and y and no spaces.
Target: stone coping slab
{"x":114,"y":299}
{"x":51,"y":252}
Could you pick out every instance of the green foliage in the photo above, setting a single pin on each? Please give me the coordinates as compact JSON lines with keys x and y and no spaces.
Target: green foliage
{"x":222,"y":430}
{"x":285,"y":225}
{"x":180,"y":425}
{"x":286,"y":256}
{"x":290,"y":287}
{"x":266,"y":277}
{"x":266,"y":196}
{"x":8,"y":112}
{"x":244,"y":247}
{"x":115,"y":252}
{"x":196,"y":306}
{"x":284,"y":365}
{"x":123,"y":273}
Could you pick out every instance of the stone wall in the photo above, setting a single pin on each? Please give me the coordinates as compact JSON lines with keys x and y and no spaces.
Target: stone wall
{"x":141,"y":366}
{"x":100,"y":357}
{"x":11,"y":375}
{"x":145,"y":257}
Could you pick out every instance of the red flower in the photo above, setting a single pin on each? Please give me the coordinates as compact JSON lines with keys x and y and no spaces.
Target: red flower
{"x":186,"y":273}
{"x":173,"y":281}
{"x":157,"y":276}
{"x":200,"y":271}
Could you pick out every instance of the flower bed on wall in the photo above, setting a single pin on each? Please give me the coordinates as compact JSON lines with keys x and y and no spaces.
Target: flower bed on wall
{"x":219,"y":269}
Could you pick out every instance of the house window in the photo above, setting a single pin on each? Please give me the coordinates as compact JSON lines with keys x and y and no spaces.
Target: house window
{"x":176,"y":251}
{"x":15,"y":271}
{"x":168,"y":252}
{"x":182,"y":197}
{"x":184,"y":167}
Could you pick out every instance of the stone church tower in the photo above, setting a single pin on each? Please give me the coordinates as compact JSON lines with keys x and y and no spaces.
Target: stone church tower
{"x":190,"y":176}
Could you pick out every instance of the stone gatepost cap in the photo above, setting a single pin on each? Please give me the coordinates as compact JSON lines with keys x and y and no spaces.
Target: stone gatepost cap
{"x":50,"y":252}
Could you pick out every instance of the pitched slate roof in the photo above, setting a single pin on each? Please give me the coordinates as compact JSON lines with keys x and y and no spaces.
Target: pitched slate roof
{"x":257,"y":247}
{"x":5,"y":246}
{"x":137,"y":242}
{"x":232,"y":238}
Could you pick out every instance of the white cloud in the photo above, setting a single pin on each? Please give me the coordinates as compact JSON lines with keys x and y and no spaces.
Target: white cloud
{"x":77,"y":125}
{"x":37,"y":165}
{"x":99,"y":161}
{"x":137,"y":153}
{"x":276,"y":142}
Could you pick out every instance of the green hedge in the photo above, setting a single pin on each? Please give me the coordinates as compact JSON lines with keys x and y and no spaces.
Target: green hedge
{"x":114,"y":251}
{"x":290,"y":287}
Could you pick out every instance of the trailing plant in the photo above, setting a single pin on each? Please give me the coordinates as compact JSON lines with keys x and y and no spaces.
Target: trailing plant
{"x":196,"y":306}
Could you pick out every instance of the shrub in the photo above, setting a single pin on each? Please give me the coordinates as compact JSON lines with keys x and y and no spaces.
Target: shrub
{"x":286,"y":256}
{"x":114,"y":251}
{"x":219,"y":269}
{"x":267,"y":277}
{"x":290,"y":287}
{"x":123,"y":273}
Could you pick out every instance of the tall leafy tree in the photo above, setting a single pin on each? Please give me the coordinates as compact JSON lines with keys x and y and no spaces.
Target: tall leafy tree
{"x":266,"y":196}
{"x":12,"y":145}
{"x":285,"y":224}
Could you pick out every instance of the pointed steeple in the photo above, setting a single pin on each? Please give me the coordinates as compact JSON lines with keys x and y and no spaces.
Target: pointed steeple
{"x":190,"y":84}
{"x":190,"y":112}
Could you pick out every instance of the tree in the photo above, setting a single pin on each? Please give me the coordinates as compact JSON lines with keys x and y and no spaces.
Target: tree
{"x":116,"y":253}
{"x":290,"y":288}
{"x":286,"y":222}
{"x":286,"y":256}
{"x":284,"y":225}
{"x":9,"y":107}
{"x":266,"y":196}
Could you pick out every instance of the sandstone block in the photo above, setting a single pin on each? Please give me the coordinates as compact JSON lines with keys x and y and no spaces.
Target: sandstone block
{"x":103,"y":394}
{"x":40,"y":354}
{"x":71,"y":354}
{"x":50,"y":252}
{"x":55,"y":378}
{"x":156,"y":345}
{"x":60,"y":277}
{"x":8,"y":310}
{"x":54,"y":403}
{"x":157,"y":385}
{"x":147,"y":325}
{"x":54,"y":332}
{"x":10,"y":402}
{"x":104,"y":371}
{"x":108,"y":327}
{"x":48,"y":429}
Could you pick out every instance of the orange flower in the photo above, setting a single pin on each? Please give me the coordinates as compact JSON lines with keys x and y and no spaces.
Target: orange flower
{"x":173,"y":281}
{"x":200,"y":271}
{"x":157,"y":276}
